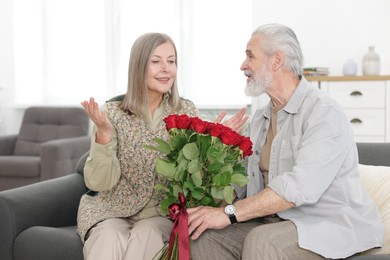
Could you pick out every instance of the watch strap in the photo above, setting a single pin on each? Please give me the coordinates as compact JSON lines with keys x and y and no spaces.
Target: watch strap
{"x":233,"y":218}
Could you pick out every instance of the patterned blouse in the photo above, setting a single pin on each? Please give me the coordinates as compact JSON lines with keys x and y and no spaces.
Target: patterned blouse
{"x":134,"y":189}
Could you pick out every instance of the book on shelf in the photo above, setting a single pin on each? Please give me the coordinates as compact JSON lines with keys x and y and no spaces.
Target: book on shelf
{"x":315,"y":71}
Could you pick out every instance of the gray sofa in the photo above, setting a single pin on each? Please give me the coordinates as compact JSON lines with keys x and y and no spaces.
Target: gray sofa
{"x":37,"y":222}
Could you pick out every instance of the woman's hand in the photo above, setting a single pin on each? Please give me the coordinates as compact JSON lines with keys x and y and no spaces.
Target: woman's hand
{"x":236,"y":122}
{"x":103,"y":125}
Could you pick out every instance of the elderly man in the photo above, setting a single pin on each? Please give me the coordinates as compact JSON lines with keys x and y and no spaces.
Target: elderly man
{"x":304,"y":199}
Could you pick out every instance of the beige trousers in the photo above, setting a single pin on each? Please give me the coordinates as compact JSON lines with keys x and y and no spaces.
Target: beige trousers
{"x":251,"y":241}
{"x":127,"y":239}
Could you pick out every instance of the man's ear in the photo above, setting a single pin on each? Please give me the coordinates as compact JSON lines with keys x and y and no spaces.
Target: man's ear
{"x":277,"y":60}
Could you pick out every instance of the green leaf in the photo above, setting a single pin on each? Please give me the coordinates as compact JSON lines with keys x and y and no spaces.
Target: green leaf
{"x":177,"y":175}
{"x":182,"y":163}
{"x":225,"y":178}
{"x":181,"y":176}
{"x":216,"y":152}
{"x":194,"y":166}
{"x":181,"y":156}
{"x":221,"y":156}
{"x":163,"y":146}
{"x":239,"y":179}
{"x":213,"y":152}
{"x":204,"y":144}
{"x":166,"y":203}
{"x":178,"y":142}
{"x":176,"y":189}
{"x":166,"y":169}
{"x":152,"y":148}
{"x":215,"y":167}
{"x":239,"y":168}
{"x":205,"y":141}
{"x":228,"y":194}
{"x":160,"y":187}
{"x":191,"y":151}
{"x":196,"y":179}
{"x":217,"y":193}
{"x":189,"y":185}
{"x":193,"y":137}
{"x":197,"y":195}
{"x":217,"y":179}
{"x":227,"y":168}
{"x":205,"y":201}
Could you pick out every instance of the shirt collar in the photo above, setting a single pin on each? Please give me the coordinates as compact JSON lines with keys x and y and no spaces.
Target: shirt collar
{"x":297,"y":98}
{"x":295,"y":101}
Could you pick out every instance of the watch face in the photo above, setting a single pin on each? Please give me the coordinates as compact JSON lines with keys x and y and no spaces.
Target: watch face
{"x":230,"y":209}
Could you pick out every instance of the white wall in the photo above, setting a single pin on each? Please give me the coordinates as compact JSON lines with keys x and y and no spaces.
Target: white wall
{"x":330,"y":32}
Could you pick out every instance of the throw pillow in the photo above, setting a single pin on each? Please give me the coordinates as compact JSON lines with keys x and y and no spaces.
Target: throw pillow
{"x":376,"y":181}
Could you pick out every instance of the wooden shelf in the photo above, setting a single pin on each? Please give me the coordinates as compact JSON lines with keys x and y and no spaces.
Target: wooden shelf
{"x":347,"y":78}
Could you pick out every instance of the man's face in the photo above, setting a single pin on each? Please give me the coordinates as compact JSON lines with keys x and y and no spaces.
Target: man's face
{"x":256,"y":68}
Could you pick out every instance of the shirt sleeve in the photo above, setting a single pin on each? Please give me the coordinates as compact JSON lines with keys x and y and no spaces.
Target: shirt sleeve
{"x":101,"y":170}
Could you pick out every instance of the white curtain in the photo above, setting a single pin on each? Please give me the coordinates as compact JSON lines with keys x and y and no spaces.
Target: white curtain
{"x":69,"y":50}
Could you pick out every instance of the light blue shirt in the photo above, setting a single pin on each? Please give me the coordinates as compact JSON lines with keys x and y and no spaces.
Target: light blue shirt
{"x":313,"y":163}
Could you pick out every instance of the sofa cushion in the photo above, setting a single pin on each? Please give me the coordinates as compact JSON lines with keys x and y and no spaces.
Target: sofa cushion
{"x":49,"y":243}
{"x":42,"y":124}
{"x":376,"y":181}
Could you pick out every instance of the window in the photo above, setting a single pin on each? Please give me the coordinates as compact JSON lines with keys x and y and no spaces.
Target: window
{"x":214,"y":48}
{"x":60,"y":51}
{"x":69,"y":50}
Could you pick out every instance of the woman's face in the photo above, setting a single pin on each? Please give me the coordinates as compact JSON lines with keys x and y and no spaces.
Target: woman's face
{"x":162,"y":69}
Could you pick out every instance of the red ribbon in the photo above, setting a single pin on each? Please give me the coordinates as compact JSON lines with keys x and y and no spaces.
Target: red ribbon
{"x":178,"y":213}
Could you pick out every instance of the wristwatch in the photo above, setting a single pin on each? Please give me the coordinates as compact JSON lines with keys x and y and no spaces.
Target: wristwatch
{"x":230,"y":210}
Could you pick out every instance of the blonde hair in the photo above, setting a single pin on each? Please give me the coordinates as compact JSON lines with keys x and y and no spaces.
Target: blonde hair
{"x":136,"y":100}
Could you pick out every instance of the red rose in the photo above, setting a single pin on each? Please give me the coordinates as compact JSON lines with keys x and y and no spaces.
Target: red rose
{"x":230,"y":137}
{"x":198,"y":125}
{"x":215,"y":129}
{"x":246,"y":146}
{"x":183,"y":121}
{"x":170,"y":121}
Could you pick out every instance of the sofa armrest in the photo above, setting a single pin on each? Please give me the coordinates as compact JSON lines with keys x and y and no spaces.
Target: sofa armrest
{"x":59,"y":157}
{"x":7,"y":144}
{"x":51,"y":203}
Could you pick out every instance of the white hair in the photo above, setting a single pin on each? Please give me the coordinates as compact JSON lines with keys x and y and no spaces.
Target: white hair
{"x":277,"y":37}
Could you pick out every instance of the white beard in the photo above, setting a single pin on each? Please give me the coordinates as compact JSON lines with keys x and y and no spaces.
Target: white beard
{"x":260,"y":82}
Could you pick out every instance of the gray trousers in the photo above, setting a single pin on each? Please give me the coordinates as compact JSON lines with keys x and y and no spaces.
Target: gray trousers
{"x":251,"y":240}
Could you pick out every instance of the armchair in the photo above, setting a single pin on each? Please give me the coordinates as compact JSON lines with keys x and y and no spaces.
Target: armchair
{"x":50,"y":141}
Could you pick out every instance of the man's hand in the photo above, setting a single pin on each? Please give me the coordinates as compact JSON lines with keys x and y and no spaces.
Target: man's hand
{"x":204,"y":217}
{"x":236,"y":122}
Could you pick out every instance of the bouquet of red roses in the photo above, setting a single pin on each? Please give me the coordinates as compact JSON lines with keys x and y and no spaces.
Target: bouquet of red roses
{"x":202,"y":161}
